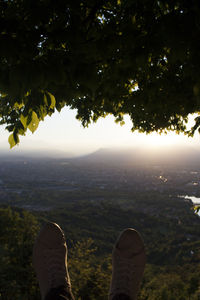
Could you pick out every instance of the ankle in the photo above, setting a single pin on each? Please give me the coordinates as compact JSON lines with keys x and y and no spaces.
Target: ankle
{"x":121,"y":297}
{"x":61,"y":292}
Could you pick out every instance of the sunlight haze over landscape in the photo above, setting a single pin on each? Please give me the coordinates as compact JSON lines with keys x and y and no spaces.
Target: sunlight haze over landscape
{"x":63,"y":133}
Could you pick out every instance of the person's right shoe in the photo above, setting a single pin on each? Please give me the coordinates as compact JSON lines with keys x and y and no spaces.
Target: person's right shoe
{"x":128,"y":262}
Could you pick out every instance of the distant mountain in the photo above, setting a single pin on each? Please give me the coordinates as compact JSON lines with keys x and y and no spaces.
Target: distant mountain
{"x":113,"y":155}
{"x":165,"y":155}
{"x":37,"y":154}
{"x":129,"y":157}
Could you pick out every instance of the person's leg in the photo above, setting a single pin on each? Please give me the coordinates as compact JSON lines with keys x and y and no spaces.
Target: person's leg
{"x":59,"y":293}
{"x":128,"y":262}
{"x":121,"y":297}
{"x":50,"y":263}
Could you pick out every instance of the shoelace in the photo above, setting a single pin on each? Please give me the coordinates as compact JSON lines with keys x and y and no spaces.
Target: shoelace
{"x":124,"y":276}
{"x":57,"y":273}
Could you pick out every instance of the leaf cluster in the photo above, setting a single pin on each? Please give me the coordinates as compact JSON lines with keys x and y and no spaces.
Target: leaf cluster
{"x":139,"y":58}
{"x":17,"y":234}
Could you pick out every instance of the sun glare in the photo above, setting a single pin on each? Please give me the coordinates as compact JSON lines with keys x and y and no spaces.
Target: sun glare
{"x":155,"y":140}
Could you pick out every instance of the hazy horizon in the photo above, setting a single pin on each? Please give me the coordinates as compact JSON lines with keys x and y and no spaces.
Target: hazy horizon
{"x":116,"y":156}
{"x":63,"y":134}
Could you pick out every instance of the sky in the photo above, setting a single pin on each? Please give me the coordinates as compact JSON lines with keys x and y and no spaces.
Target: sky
{"x":63,"y":133}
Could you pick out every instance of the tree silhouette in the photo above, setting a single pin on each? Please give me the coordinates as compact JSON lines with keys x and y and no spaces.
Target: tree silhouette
{"x":139,"y":58}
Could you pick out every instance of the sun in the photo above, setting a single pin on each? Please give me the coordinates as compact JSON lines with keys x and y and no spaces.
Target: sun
{"x":155,"y":140}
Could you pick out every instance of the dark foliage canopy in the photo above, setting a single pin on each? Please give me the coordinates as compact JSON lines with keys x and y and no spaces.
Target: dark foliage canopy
{"x":135,"y":57}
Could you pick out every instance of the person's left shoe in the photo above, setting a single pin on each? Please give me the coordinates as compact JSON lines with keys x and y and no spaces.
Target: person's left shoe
{"x":50,"y":259}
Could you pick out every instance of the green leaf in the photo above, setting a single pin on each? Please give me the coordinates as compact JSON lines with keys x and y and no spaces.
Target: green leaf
{"x":45,"y":99}
{"x":42,"y":112}
{"x":12,"y":141}
{"x":3,"y":95}
{"x":21,"y":131}
{"x":33,"y":125}
{"x":53,"y":100}
{"x":196,"y":208}
{"x":24,"y":121}
{"x":18,"y":105}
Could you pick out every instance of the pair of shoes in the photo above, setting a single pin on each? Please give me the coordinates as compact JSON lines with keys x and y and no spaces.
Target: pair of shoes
{"x":50,"y":262}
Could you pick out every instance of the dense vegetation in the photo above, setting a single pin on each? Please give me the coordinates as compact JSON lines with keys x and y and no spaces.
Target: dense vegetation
{"x":99,"y":57}
{"x":173,"y":251}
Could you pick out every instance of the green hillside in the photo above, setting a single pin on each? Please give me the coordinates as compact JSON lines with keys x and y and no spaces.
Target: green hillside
{"x":172,"y":246}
